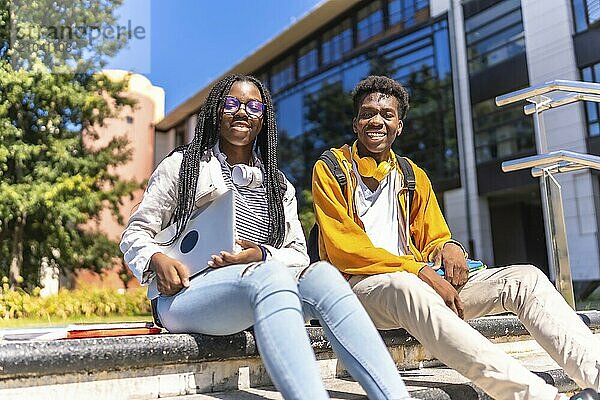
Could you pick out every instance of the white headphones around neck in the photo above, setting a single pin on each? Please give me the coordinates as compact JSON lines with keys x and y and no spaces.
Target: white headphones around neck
{"x":246,"y":176}
{"x":241,"y":174}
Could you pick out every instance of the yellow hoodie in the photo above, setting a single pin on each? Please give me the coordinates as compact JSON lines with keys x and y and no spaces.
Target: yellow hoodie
{"x":342,"y":239}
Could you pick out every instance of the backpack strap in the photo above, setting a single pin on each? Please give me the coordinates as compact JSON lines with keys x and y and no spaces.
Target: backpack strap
{"x":411,"y":184}
{"x":409,"y":177}
{"x":334,"y":166}
{"x":336,"y":169}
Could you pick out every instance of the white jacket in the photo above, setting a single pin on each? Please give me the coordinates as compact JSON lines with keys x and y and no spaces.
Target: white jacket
{"x":159,"y":202}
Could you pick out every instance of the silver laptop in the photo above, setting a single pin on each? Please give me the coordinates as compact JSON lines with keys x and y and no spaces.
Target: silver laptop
{"x":210,"y":230}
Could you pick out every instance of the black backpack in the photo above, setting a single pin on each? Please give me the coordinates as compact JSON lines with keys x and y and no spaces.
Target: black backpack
{"x":334,"y":166}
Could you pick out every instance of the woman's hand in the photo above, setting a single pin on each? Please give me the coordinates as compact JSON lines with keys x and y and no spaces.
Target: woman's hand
{"x":251,"y":253}
{"x":171,"y":275}
{"x":453,"y":259}
{"x":447,"y":292}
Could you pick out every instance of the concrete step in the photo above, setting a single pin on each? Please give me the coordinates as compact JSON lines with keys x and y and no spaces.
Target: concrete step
{"x":427,"y":383}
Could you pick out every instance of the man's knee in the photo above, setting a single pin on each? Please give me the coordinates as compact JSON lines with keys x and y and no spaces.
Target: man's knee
{"x":529,"y":277}
{"x":524,"y":283}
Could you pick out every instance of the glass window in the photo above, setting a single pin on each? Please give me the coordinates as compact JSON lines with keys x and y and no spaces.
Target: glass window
{"x":407,"y":40}
{"x":491,"y":14}
{"x":490,"y":29}
{"x":414,"y":61}
{"x":410,"y":47}
{"x":396,"y":12}
{"x":289,"y":120}
{"x":501,"y":132}
{"x":308,"y":59}
{"x":370,"y":21}
{"x":337,"y":42}
{"x":585,"y":13}
{"x":579,"y":15}
{"x":442,"y":51}
{"x":494,"y":35}
{"x":353,"y":74}
{"x":421,"y":4}
{"x":283,"y":74}
{"x":407,"y":12}
{"x":496,"y":56}
{"x":499,"y":39}
{"x":592,"y":109}
{"x":593,"y":11}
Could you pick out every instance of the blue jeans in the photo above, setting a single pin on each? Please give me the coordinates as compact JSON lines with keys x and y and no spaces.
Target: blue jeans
{"x":227,"y":300}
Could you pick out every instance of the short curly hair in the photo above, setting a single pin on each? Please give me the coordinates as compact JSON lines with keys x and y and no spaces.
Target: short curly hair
{"x":381,"y":84}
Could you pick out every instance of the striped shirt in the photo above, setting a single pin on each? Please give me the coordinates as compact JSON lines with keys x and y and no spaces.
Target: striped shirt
{"x":251,"y":209}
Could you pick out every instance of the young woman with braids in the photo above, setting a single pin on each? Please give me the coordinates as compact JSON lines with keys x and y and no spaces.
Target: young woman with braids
{"x":268,"y":284}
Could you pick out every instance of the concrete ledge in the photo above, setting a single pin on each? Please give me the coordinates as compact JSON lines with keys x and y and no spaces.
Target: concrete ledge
{"x":178,"y":364}
{"x":36,"y":358}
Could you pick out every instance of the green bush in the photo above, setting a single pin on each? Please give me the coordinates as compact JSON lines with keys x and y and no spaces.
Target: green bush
{"x":15,"y":304}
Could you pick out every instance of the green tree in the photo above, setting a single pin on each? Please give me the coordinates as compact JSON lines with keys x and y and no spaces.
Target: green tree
{"x":54,"y":176}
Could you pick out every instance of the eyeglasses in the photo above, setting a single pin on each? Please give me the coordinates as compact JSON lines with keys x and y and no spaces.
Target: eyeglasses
{"x":254,"y":108}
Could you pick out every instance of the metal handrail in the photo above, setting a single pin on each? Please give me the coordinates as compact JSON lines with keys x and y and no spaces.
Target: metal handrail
{"x":571,"y":98}
{"x":546,"y":96}
{"x":561,"y":158}
{"x":547,"y":87}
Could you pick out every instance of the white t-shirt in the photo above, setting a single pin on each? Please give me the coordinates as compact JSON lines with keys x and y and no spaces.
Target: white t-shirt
{"x":378,"y":212}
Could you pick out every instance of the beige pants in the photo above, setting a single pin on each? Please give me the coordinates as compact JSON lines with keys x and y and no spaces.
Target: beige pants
{"x":402,"y":300}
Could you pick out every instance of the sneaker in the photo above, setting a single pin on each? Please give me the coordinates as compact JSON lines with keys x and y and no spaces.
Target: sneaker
{"x":587,"y":394}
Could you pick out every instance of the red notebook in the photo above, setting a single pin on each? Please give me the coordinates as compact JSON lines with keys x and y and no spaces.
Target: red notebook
{"x":107,"y":330}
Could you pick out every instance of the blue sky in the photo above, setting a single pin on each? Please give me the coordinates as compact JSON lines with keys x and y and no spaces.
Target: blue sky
{"x":189,"y":43}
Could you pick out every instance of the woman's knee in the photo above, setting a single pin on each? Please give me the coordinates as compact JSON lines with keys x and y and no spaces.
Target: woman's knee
{"x":323,"y":282}
{"x":321,"y":271}
{"x":270,"y":276}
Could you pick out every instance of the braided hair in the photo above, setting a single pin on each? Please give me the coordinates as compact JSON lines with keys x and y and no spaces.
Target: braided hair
{"x":206,"y":136}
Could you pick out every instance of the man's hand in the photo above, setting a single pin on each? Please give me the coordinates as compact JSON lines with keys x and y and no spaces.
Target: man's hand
{"x":443,"y":288}
{"x":171,"y":275}
{"x":250,"y":253}
{"x":455,"y":265}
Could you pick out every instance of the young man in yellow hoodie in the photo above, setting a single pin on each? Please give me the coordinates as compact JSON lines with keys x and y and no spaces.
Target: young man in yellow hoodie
{"x":363,"y":232}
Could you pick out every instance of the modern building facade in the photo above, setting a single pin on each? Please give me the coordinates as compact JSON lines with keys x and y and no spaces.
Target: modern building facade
{"x":454,"y":57}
